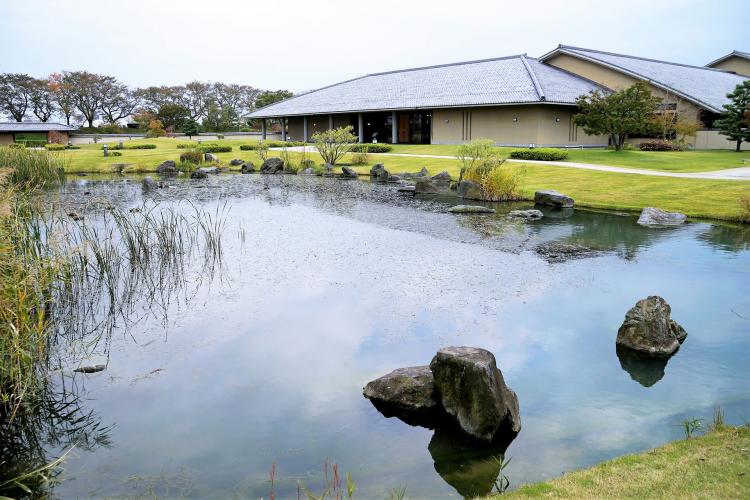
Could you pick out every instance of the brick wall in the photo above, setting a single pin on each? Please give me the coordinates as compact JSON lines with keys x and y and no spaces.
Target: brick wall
{"x":55,"y":137}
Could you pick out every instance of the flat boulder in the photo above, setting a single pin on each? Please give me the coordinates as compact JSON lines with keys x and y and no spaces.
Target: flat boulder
{"x":236,"y":162}
{"x":470,"y":190}
{"x":379,"y":173}
{"x":272,"y":166}
{"x":247,"y":168}
{"x":651,"y":216}
{"x":472,"y":391}
{"x":425,"y":186}
{"x":168,"y":167}
{"x":349,"y":172}
{"x":649,"y":328}
{"x":408,"y":389}
{"x":532,"y":214}
{"x":471,"y":209}
{"x":553,"y":198}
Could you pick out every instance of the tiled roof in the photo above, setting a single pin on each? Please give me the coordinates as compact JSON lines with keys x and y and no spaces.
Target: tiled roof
{"x":34,"y":127}
{"x":706,"y":87}
{"x":734,"y":53}
{"x":505,"y":80}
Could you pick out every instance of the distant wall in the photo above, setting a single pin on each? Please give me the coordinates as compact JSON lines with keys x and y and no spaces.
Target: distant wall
{"x":711,"y":139}
{"x":79,"y":139}
{"x":6,"y":138}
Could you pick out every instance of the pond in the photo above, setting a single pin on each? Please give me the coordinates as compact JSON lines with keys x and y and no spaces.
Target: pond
{"x":327,"y":284}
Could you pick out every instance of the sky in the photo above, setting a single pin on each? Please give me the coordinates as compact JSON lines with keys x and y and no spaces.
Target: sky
{"x":302,"y":45}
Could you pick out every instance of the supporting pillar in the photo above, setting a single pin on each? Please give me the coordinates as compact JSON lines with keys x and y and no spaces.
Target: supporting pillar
{"x":394,"y":128}
{"x":361,"y":127}
{"x":263,"y":129}
{"x":304,"y":129}
{"x":283,"y":129}
{"x":330,"y":122}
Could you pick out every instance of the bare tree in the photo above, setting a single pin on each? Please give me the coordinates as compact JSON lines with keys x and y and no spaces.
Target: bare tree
{"x":89,"y":91}
{"x":154,"y":97}
{"x":42,"y":99}
{"x":15,"y":94}
{"x":118,"y":101}
{"x":62,"y":93}
{"x":196,"y":97}
{"x":233,"y":98}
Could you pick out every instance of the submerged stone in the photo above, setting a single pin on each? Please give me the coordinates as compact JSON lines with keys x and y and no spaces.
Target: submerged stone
{"x":471,"y":209}
{"x":425,"y":186}
{"x":554,"y":252}
{"x":649,"y":329}
{"x":90,"y":369}
{"x":651,"y":216}
{"x":532,"y":214}
{"x":472,"y":390}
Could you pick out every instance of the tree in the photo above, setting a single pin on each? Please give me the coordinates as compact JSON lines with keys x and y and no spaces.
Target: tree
{"x":218,"y":119}
{"x":156,"y":129}
{"x":233,"y":100}
{"x":335,"y":143}
{"x":268,"y":97}
{"x":617,"y":114}
{"x":190,"y":128}
{"x":171,"y":115}
{"x":42,"y":99}
{"x":196,"y":97}
{"x":62,"y":93}
{"x":89,"y":91}
{"x":118,"y":101}
{"x":15,"y":94}
{"x":734,"y":122}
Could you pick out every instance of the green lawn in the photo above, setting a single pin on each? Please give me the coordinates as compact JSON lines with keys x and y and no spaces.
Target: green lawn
{"x":716,"y":465}
{"x":696,"y":197}
{"x":668,"y":161}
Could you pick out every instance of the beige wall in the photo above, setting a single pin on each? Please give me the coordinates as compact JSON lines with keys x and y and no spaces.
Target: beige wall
{"x":536,"y":124}
{"x":315,"y":123}
{"x":739,"y":65}
{"x":6,"y":138}
{"x":711,"y":139}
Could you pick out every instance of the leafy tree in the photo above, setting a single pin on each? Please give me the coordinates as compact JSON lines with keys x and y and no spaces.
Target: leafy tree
{"x":42,"y":99}
{"x":335,"y":143}
{"x":143,"y":117}
{"x":156,"y":129}
{"x":190,"y":127}
{"x":89,"y":91}
{"x":735,"y":122}
{"x":233,"y":100}
{"x":196,"y":97}
{"x":15,"y":94}
{"x":62,"y":93}
{"x":118,"y":101}
{"x":219,"y":119}
{"x":617,"y":114}
{"x":268,"y":97}
{"x":172,"y":115}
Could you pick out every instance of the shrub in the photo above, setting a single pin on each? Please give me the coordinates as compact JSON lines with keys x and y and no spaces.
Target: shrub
{"x":115,"y":153}
{"x":660,"y":145}
{"x":72,"y":147}
{"x":192,"y":155}
{"x":371,"y":148}
{"x":745,"y":207}
{"x":499,"y":182}
{"x":17,"y":145}
{"x":282,"y":144}
{"x":186,"y":166}
{"x":55,"y":147}
{"x":335,"y":143}
{"x":361,"y":158}
{"x":214,"y":148}
{"x":187,"y":145}
{"x":220,"y":136}
{"x":140,"y":146}
{"x":262,"y":150}
{"x":539,"y":154}
{"x":475,"y":153}
{"x":248,"y":147}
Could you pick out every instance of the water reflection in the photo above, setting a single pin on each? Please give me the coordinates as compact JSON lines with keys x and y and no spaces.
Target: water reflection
{"x":646,"y":370}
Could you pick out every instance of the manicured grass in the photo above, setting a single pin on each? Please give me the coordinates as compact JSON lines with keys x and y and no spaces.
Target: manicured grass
{"x":696,"y":197}
{"x":668,"y":161}
{"x":716,"y":465}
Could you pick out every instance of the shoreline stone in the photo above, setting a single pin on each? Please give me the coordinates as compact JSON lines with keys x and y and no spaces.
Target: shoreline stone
{"x":651,"y":216}
{"x":649,"y":329}
{"x":553,"y":198}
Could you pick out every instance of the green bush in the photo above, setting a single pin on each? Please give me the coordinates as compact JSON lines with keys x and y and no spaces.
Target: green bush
{"x":72,"y":147}
{"x":194,"y":156}
{"x":498,"y":181}
{"x":187,"y":145}
{"x":186,"y":166}
{"x":17,"y":145}
{"x":115,"y":153}
{"x":54,"y":147}
{"x":140,"y":146}
{"x":214,"y":148}
{"x":360,"y":158}
{"x":248,"y":147}
{"x":539,"y":154}
{"x":281,"y":144}
{"x":371,"y":148}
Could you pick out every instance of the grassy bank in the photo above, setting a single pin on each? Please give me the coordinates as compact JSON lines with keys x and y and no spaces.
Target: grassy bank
{"x":704,"y":198}
{"x":715,"y":465}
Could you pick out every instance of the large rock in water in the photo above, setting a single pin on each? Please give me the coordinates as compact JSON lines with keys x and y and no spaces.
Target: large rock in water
{"x":553,"y":199}
{"x":349,"y":173}
{"x":272,"y":166}
{"x":472,"y":391}
{"x":649,"y":329}
{"x":409,"y":389}
{"x":247,"y":168}
{"x":651,"y":216}
{"x":379,"y":173}
{"x":167,"y":167}
{"x":470,"y":190}
{"x":532,"y":214}
{"x":471,"y":209}
{"x":425,"y":186}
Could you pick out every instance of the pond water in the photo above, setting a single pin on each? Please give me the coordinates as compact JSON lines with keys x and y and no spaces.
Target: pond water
{"x":327,"y":284}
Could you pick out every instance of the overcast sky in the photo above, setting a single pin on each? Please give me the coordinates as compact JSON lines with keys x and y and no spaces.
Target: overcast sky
{"x":300,"y":45}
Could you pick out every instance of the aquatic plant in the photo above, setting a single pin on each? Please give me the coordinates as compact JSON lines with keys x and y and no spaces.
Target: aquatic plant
{"x":718,"y":422}
{"x":691,"y":426}
{"x":502,"y":483}
{"x":745,"y":208}
{"x":398,"y":493}
{"x":30,"y":169}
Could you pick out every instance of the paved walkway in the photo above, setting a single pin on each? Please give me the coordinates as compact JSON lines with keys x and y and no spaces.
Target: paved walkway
{"x":733,"y":174}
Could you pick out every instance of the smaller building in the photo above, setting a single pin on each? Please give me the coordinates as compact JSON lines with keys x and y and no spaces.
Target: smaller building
{"x":34,"y":133}
{"x":735,"y":62}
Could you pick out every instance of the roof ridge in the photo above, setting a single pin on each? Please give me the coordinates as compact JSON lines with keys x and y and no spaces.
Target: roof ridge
{"x":458,"y":63}
{"x":739,"y":53}
{"x":570,"y":47}
{"x":534,"y":79}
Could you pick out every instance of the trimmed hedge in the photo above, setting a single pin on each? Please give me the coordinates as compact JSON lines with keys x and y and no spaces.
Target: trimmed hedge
{"x":115,"y":153}
{"x":248,"y":147}
{"x":660,"y":145}
{"x":55,"y":147}
{"x":539,"y":154}
{"x":192,"y":156}
{"x":214,"y":148}
{"x":281,"y":144}
{"x":140,"y":146}
{"x":371,"y":148}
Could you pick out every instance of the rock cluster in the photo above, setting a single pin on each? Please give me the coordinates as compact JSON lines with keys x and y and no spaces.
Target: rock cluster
{"x":379,"y":173}
{"x":167,"y":167}
{"x":462,"y":384}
